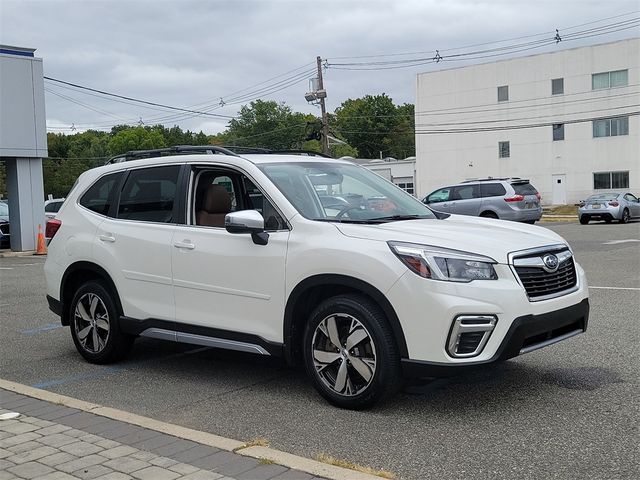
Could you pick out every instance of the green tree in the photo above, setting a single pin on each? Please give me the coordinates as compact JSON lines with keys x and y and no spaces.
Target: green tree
{"x":373,"y":124}
{"x":267,"y":124}
{"x":138,"y":138}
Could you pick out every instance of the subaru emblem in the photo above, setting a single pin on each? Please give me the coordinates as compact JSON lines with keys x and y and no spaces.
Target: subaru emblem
{"x":551,"y":262}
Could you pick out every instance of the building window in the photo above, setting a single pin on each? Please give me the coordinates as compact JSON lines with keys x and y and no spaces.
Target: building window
{"x":557,"y":86}
{"x":503,"y":93}
{"x":503,"y":150}
{"x":407,"y":187}
{"x":558,"y":131}
{"x":617,"y":78}
{"x":607,"y":180}
{"x":611,"y":127}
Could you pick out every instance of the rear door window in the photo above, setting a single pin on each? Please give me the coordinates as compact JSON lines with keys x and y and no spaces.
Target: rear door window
{"x":149,"y":194}
{"x":524,"y":188}
{"x":100,"y":196}
{"x":492,"y":190}
{"x":465,"y":192}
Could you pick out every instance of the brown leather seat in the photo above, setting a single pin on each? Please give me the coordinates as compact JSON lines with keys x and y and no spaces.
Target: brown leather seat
{"x":216,"y":204}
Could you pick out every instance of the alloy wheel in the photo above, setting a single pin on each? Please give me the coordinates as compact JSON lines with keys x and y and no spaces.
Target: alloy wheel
{"x":344,"y":354}
{"x":92,"y":324}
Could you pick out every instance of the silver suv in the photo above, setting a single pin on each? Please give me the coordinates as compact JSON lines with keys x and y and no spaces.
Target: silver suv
{"x":505,"y":198}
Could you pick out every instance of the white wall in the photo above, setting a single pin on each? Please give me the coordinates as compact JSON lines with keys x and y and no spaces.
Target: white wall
{"x":449,"y":158}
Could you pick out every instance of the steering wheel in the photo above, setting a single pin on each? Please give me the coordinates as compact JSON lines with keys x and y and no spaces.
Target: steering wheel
{"x":347,"y":209}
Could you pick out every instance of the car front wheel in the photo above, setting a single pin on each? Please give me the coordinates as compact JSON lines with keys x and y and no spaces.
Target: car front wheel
{"x":94,"y":325}
{"x":350,"y":353}
{"x":584,"y":219}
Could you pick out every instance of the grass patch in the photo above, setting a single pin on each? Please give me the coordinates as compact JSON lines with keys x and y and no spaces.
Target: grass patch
{"x":256,"y":442}
{"x":265,"y":461}
{"x":562,"y":210}
{"x":324,"y":458}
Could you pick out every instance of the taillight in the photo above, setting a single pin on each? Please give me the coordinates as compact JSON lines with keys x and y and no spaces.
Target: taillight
{"x":515,"y":198}
{"x":614,"y":203}
{"x":52,"y":227}
{"x":538,"y":195}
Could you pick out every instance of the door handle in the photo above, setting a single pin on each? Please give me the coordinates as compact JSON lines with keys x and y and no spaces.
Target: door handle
{"x":187,"y":245}
{"x":108,"y":237}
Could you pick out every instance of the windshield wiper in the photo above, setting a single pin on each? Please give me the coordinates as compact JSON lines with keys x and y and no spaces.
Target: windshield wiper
{"x":347,"y":220}
{"x":392,"y":218}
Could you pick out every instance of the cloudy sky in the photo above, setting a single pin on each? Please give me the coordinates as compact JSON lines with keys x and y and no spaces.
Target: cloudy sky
{"x":193,"y":54}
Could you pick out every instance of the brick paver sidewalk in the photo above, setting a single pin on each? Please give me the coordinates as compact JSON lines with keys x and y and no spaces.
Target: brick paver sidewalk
{"x":54,"y":442}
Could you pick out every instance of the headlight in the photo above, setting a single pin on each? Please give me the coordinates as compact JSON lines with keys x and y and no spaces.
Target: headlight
{"x":444,"y":264}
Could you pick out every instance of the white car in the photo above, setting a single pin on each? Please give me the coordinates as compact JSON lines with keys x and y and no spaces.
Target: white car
{"x":239,"y":252}
{"x":52,"y":206}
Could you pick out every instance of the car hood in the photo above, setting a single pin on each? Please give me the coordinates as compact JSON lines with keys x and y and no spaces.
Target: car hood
{"x":492,"y":238}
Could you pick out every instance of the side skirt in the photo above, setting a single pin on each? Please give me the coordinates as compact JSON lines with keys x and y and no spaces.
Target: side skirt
{"x":198,"y":335}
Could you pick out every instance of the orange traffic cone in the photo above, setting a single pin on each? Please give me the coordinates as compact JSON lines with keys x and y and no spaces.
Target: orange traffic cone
{"x":41,"y":249}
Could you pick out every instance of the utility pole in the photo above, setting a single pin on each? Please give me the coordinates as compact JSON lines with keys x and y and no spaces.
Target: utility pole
{"x":325,"y":119}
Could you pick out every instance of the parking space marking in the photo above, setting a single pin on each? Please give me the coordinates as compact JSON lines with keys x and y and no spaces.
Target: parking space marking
{"x":616,"y":242}
{"x":43,"y":328}
{"x":617,"y":288}
{"x":110,"y":370}
{"x":6,"y":268}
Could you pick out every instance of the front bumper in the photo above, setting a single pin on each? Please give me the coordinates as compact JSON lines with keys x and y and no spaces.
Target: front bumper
{"x":527,"y":333}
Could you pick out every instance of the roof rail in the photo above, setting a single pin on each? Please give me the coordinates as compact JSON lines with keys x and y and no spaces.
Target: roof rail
{"x":308,"y":153}
{"x":267,"y":151}
{"x":495,"y":179}
{"x":177,"y":150}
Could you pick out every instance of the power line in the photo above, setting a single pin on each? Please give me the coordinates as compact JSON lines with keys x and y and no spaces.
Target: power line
{"x":486,"y":53}
{"x":102,"y":92}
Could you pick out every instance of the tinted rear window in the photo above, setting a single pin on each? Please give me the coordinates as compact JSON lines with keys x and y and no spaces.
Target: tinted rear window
{"x":149,"y":193}
{"x":100,"y":195}
{"x":603,"y":196}
{"x":524,"y":188}
{"x":492,"y":190}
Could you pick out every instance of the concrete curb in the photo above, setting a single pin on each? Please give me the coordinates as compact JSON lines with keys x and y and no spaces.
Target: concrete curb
{"x":282,"y":458}
{"x":305,"y":464}
{"x":10,"y":254}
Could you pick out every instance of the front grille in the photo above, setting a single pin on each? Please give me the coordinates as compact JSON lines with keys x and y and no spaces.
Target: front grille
{"x":540,"y":283}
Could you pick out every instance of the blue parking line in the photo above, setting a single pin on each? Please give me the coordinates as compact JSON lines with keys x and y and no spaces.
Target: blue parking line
{"x":103,"y":372}
{"x":42,"y":329}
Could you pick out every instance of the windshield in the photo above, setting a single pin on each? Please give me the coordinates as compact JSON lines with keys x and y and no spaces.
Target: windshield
{"x":4,"y":209}
{"x":343,"y":192}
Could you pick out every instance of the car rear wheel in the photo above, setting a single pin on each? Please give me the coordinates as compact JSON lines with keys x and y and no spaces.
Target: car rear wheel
{"x":625,"y":216}
{"x":350,"y":353}
{"x":584,"y":219}
{"x":94,"y":325}
{"x":489,"y":215}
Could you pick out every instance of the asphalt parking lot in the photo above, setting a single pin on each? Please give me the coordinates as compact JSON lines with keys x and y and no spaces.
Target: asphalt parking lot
{"x":568,"y":411}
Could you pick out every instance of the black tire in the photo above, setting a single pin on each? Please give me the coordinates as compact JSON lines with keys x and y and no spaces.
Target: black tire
{"x":625,"y":216}
{"x":387,"y":374}
{"x":584,"y":219}
{"x":112,"y":345}
{"x":608,"y":220}
{"x":530,"y":222}
{"x":489,"y":215}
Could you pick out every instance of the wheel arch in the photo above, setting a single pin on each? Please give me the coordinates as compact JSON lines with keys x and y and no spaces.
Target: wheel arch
{"x":311,"y":291}
{"x":77,"y":274}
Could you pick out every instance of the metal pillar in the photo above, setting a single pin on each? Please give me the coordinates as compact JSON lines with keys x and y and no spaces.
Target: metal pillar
{"x":26,"y":201}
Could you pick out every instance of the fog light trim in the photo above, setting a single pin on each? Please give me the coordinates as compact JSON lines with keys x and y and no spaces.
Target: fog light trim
{"x":470,"y":324}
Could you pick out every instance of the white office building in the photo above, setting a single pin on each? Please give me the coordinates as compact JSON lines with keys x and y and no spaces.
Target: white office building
{"x":566,"y":120}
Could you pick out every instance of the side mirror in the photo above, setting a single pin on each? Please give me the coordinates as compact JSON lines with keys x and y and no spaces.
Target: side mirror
{"x":247,"y":221}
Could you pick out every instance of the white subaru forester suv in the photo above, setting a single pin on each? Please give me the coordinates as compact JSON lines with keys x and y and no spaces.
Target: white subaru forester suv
{"x":317,"y":260}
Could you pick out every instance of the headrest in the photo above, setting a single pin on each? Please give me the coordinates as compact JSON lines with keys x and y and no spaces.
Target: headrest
{"x":217,"y":200}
